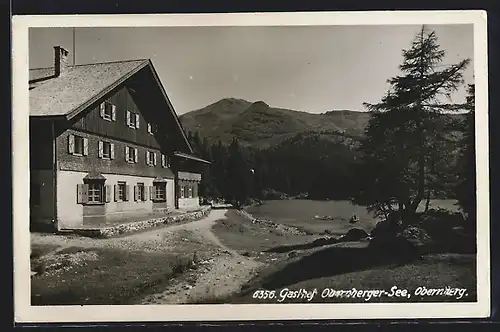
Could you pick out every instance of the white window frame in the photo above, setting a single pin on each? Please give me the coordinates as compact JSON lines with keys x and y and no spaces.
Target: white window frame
{"x":133,"y":120}
{"x":135,"y":158}
{"x":121,"y":191}
{"x":150,"y":158}
{"x":71,"y":145}
{"x":101,"y":149}
{"x":108,"y":114}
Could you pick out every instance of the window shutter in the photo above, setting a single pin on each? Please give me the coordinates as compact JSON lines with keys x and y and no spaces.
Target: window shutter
{"x":101,"y":148}
{"x":113,"y":112}
{"x":107,"y":189}
{"x":145,"y":194}
{"x":150,"y":131}
{"x":128,"y":118}
{"x":127,"y":192}
{"x":195,"y":190}
{"x":151,"y":193}
{"x":136,"y":157}
{"x":163,"y":160}
{"x":103,"y":109}
{"x":85,"y":146}
{"x":116,"y":193}
{"x":71,"y":143}
{"x":127,"y":153}
{"x":81,"y":193}
{"x":147,"y":157}
{"x":137,"y":120}
{"x":136,"y":193}
{"x":112,"y":150}
{"x":154,"y":158}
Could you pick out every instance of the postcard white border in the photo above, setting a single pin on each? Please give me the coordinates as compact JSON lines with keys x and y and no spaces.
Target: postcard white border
{"x":25,"y":313}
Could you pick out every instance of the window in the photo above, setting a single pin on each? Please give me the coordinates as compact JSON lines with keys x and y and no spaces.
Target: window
{"x":121,"y":192}
{"x":95,"y":192}
{"x":131,"y":154}
{"x":159,"y":191}
{"x":108,"y":111}
{"x":151,"y":158}
{"x":140,"y":192}
{"x":106,"y":150}
{"x":190,"y":192}
{"x":164,"y":161}
{"x":150,"y":128}
{"x":78,"y":145}
{"x":182,"y":192}
{"x":133,"y":120}
{"x":35,"y":194}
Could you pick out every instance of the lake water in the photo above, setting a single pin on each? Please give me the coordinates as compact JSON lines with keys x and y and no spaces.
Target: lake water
{"x":302,"y":213}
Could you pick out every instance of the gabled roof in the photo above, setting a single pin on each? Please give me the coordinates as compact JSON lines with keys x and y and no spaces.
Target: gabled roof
{"x":63,"y":95}
{"x":81,"y":85}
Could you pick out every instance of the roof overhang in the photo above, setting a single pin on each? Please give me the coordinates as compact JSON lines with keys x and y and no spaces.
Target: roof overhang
{"x":171,"y":107}
{"x":190,"y":157}
{"x":160,"y":179}
{"x":49,"y":117}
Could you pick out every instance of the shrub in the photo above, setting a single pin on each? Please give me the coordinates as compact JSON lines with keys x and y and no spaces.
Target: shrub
{"x":182,"y":264}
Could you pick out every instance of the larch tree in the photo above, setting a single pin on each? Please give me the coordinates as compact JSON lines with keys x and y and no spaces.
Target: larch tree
{"x":406,"y":145}
{"x":466,"y":190}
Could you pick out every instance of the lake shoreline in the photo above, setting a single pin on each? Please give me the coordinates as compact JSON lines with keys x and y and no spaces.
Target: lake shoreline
{"x":308,"y":214}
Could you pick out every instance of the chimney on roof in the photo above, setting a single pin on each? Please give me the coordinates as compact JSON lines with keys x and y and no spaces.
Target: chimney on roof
{"x":60,"y":60}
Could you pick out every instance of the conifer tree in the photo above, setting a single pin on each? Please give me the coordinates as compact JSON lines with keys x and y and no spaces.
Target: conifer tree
{"x":405,"y":147}
{"x":466,"y":190}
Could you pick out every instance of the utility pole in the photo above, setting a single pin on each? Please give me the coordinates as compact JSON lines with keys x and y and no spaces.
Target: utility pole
{"x":74,"y":54}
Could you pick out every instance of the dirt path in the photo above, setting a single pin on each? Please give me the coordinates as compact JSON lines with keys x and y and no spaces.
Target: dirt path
{"x":221,"y":272}
{"x":148,"y":240}
{"x":211,"y":279}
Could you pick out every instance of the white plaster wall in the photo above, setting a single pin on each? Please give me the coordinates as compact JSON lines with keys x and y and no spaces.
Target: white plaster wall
{"x":171,"y":194}
{"x":70,"y":213}
{"x":187,"y":203}
{"x":130,"y":205}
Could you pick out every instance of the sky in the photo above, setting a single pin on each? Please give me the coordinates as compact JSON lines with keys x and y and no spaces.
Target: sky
{"x":306,"y":68}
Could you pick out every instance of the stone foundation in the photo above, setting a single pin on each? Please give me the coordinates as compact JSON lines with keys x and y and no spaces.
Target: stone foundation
{"x":116,"y":230}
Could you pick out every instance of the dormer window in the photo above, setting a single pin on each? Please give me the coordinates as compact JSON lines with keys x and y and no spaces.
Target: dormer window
{"x":150,"y":128}
{"x":133,"y":120}
{"x":108,"y":111}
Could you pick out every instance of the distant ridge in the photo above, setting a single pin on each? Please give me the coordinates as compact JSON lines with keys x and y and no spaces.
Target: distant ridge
{"x":259,"y":125}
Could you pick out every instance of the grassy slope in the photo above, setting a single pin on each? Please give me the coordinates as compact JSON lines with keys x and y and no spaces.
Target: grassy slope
{"x":117,"y":277}
{"x":239,"y":234}
{"x":323,"y":270}
{"x":342,"y":266}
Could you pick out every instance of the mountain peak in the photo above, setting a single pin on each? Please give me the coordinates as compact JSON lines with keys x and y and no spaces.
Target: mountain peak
{"x":260,"y":103}
{"x":255,"y":123}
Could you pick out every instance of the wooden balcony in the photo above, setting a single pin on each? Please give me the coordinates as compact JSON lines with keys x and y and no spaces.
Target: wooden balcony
{"x":189,"y":176}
